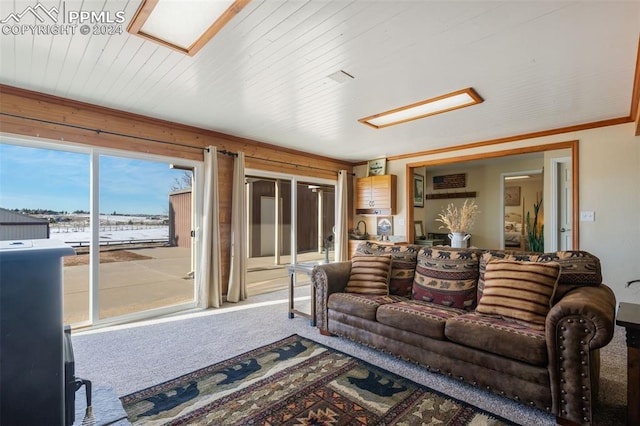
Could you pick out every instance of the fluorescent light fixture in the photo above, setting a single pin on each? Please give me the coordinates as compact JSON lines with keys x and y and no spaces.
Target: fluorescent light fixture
{"x":185,"y":26}
{"x":449,"y":102}
{"x":516,"y":177}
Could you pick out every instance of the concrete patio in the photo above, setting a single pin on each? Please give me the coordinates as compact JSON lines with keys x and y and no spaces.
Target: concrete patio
{"x":162,"y":279}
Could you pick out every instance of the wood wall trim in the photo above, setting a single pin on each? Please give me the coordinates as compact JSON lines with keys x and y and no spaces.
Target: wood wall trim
{"x":60,"y":113}
{"x":493,"y":154}
{"x":586,"y":126}
{"x":573,"y":145}
{"x":635,"y":98}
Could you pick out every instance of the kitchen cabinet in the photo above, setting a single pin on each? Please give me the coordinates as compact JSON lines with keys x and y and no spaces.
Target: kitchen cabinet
{"x":376,"y":195}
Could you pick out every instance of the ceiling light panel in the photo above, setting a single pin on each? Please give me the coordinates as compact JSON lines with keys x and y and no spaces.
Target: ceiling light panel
{"x":449,"y":102}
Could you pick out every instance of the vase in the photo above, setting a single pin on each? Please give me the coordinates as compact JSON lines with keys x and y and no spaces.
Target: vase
{"x":459,"y":239}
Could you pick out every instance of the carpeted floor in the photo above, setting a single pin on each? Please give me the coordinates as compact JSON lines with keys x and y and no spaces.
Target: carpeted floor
{"x":296,"y":381}
{"x":137,"y":356}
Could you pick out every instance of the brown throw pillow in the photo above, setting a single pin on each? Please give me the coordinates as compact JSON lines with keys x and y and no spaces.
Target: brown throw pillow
{"x":370,"y":275}
{"x":520,"y":291}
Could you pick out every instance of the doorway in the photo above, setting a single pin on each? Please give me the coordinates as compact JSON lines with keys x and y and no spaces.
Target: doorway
{"x":562,"y":183}
{"x":523,"y":211}
{"x":491,"y":197}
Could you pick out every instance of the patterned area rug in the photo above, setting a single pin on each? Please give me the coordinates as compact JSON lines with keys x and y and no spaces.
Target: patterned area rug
{"x":298,"y":382}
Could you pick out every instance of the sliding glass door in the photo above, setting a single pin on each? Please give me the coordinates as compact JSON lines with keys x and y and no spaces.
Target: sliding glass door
{"x":129,"y":217}
{"x":315,"y":213}
{"x":44,"y":193}
{"x":289,"y":220}
{"x":142,"y":204}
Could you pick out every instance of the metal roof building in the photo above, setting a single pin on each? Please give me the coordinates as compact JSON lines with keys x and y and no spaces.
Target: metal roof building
{"x":17,"y":226}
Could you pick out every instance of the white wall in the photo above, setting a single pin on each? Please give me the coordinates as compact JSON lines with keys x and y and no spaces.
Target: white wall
{"x":609,"y":181}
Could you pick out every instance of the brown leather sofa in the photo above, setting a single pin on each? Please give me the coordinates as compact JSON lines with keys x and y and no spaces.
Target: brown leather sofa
{"x":554,"y":367}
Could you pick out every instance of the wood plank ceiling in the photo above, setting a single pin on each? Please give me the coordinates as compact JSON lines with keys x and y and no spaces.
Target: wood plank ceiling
{"x":538,"y":64}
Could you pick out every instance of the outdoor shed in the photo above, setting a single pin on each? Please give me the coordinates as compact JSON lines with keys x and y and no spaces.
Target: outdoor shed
{"x":18,"y":226}
{"x":180,"y":218}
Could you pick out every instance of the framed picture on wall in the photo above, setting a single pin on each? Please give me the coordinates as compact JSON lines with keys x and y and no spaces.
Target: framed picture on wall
{"x":377,"y":167}
{"x":512,"y":196}
{"x":384,"y":225}
{"x":418,"y":190}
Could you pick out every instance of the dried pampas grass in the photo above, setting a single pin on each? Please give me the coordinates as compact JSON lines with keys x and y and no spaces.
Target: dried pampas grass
{"x":459,"y":220}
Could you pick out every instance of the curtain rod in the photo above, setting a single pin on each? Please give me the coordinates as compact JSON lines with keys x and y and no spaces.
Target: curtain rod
{"x":99,"y":131}
{"x":235,"y":154}
{"x":107,"y":132}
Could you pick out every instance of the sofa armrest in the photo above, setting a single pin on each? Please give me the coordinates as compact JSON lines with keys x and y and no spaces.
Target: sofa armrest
{"x":328,"y":279}
{"x":578,"y":325}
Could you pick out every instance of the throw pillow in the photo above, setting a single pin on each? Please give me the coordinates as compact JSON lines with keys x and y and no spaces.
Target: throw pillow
{"x":577,"y":268}
{"x":519,"y":291}
{"x":446,"y":276}
{"x":403,"y":264}
{"x":369,"y":275}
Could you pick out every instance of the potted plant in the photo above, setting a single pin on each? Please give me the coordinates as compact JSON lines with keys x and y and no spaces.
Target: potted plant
{"x":535,"y":230}
{"x":459,"y":221}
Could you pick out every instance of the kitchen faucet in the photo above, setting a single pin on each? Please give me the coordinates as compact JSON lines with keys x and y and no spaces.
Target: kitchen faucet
{"x":365,"y":226}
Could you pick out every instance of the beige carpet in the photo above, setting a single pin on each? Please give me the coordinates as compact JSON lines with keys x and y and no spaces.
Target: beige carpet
{"x":136,"y":356}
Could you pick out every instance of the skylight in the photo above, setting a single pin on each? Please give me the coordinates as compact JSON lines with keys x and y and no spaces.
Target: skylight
{"x":185,"y":26}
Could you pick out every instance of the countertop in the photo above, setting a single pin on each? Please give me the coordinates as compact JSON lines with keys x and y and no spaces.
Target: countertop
{"x":382,"y":243}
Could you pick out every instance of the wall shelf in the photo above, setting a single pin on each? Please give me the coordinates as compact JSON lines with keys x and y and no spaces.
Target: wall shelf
{"x":442,"y":195}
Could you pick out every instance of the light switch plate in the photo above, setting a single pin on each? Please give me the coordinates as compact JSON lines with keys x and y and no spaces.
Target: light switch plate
{"x":587,"y":216}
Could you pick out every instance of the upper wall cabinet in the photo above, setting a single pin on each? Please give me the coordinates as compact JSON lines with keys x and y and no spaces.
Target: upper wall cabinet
{"x":376,"y":195}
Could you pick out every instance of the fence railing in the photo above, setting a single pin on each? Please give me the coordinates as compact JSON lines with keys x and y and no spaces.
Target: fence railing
{"x":119,"y":242}
{"x":68,"y":228}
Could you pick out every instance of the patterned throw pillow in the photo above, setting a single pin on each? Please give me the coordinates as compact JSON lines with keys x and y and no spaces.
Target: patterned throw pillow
{"x":447,"y":277}
{"x":520,"y":291}
{"x":577,"y":268}
{"x":369,"y":275}
{"x":403,"y":264}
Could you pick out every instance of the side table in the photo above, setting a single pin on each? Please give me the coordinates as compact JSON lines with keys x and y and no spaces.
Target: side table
{"x":306,"y":268}
{"x":629,"y":318}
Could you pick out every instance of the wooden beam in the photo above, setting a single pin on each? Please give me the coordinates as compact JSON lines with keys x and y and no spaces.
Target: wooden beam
{"x":34,"y":114}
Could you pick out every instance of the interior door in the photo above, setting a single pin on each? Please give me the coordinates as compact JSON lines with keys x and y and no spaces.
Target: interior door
{"x":565,"y":235}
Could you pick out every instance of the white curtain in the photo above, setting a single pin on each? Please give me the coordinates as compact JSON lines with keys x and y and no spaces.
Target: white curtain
{"x":210,"y":276}
{"x":237,"y":270}
{"x":342,"y":217}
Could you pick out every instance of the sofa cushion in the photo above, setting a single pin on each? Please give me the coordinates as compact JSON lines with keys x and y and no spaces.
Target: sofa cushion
{"x":519,"y":291}
{"x":369,"y":275}
{"x":417,"y":317}
{"x":577,"y":268}
{"x":447,"y":277}
{"x":360,"y":305}
{"x":494,"y":335}
{"x":403,"y":264}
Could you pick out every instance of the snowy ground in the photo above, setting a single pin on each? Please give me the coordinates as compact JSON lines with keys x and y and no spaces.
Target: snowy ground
{"x":112,"y":229}
{"x":112,"y":234}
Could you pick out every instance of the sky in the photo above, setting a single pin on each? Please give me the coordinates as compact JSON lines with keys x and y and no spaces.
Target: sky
{"x":35,"y":178}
